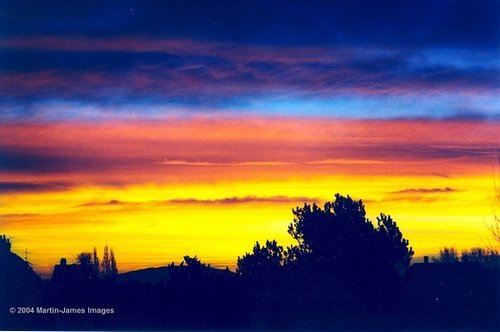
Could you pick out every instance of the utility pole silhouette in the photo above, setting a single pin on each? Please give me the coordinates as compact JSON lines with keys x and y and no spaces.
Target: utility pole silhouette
{"x":26,"y":252}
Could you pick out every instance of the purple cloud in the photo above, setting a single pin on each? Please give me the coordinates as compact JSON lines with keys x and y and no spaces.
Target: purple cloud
{"x":200,"y":75}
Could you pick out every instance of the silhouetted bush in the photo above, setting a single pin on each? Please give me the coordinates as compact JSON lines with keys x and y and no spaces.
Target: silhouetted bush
{"x":263,"y":261}
{"x":485,"y":257}
{"x":341,"y":262}
{"x":447,"y":255}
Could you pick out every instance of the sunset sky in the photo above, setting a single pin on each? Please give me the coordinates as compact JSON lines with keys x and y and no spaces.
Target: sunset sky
{"x":176,"y":128}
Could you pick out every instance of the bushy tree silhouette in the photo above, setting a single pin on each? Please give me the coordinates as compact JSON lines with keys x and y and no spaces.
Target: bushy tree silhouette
{"x":340,"y":238}
{"x":107,"y":268}
{"x":84,"y":258}
{"x":347,"y":256}
{"x":447,"y":255}
{"x":193,"y":262}
{"x":194,"y":269}
{"x":484,"y":257}
{"x":264,"y":282}
{"x":341,"y":259}
{"x":263,"y":261}
{"x":395,"y":253}
{"x":488,"y":258}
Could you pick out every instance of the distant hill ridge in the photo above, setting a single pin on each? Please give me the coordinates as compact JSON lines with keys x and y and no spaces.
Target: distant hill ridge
{"x":157,"y":274}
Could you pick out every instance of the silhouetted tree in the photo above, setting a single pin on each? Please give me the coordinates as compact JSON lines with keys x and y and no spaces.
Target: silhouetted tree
{"x":447,"y":255}
{"x":113,"y":268}
{"x":193,"y":262}
{"x":194,"y":267}
{"x":349,"y":262}
{"x":264,"y":280}
{"x":474,"y":255}
{"x":341,"y":239}
{"x":263,"y":261}
{"x":395,"y":252}
{"x":106,"y":269}
{"x":84,"y":258}
{"x":341,"y":260}
{"x":485,"y":257}
{"x":106,"y":263}
{"x":95,"y":262}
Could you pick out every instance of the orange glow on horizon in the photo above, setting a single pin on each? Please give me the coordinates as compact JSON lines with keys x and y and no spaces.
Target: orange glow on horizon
{"x":212,"y":187}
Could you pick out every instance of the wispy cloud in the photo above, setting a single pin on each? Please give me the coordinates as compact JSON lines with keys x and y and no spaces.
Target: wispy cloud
{"x":244,"y":200}
{"x":416,"y":195}
{"x":345,"y":162}
{"x":163,"y":75}
{"x":227,"y":163}
{"x":234,"y":200}
{"x":339,"y":161}
{"x":167,"y":150}
{"x":426,"y":190}
{"x":112,"y":202}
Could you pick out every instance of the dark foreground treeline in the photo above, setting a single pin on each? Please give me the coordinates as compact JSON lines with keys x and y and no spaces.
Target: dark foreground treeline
{"x":344,"y":273}
{"x":434,"y":295}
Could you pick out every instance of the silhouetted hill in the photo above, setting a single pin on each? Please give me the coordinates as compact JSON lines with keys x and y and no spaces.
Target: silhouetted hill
{"x":154,"y":275}
{"x":151,"y":274}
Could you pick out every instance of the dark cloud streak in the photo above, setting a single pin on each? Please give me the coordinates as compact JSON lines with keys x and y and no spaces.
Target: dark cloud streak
{"x":235,"y":200}
{"x":38,"y":162}
{"x":113,"y":202}
{"x":425,"y":191}
{"x":244,"y":200}
{"x":22,"y":187}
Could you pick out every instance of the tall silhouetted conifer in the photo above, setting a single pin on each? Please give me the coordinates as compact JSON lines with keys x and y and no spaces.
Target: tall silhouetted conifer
{"x":95,"y":262}
{"x":106,"y":263}
{"x":113,"y":268}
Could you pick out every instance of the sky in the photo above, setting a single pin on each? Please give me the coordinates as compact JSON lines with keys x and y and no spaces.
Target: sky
{"x":172,"y":128}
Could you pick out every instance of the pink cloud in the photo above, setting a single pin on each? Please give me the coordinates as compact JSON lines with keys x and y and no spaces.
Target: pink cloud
{"x":229,"y":148}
